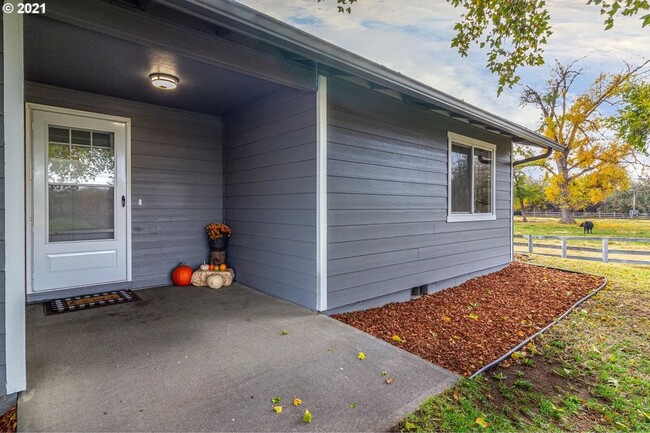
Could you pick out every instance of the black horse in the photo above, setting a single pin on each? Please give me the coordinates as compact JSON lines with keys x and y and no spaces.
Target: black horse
{"x":587,"y":226}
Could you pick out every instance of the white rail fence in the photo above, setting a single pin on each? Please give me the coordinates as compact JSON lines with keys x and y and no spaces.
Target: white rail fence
{"x":594,"y":215}
{"x":602,"y":253}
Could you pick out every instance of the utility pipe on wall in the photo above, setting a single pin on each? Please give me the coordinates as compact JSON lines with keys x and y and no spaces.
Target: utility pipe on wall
{"x":544,"y":155}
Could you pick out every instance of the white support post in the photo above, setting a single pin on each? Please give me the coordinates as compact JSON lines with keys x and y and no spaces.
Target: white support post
{"x":605,"y":250}
{"x":530,"y":244}
{"x":321,"y":194}
{"x":564,"y":247}
{"x":512,"y":201}
{"x":14,"y":149}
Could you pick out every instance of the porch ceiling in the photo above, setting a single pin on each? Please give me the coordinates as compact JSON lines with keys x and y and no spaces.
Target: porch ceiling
{"x":64,"y":55}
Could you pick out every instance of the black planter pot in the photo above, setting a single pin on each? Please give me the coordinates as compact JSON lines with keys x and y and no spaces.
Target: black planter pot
{"x":219,"y":244}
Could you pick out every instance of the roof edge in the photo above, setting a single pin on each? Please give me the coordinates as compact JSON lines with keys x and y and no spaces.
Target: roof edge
{"x":330,"y":54}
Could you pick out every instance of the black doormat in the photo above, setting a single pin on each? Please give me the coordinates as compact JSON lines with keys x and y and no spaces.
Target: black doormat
{"x":86,"y":302}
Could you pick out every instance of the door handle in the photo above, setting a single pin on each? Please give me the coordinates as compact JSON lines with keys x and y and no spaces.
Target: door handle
{"x":123,"y":201}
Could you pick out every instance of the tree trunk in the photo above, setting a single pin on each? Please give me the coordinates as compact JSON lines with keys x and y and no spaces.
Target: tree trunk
{"x":523,"y":214}
{"x":567,"y":211}
{"x":567,"y":215}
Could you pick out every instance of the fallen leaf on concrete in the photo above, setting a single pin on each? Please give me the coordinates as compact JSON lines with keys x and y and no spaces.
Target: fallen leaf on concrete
{"x":276,"y":400}
{"x":306,"y":417}
{"x":353,"y":405}
{"x":361,"y":356}
{"x":284,"y":332}
{"x":277,"y":409}
{"x":389,"y":380}
{"x":384,"y":373}
{"x":297,"y":401}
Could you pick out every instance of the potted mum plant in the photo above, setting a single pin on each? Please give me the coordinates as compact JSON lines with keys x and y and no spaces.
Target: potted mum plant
{"x":218,"y":235}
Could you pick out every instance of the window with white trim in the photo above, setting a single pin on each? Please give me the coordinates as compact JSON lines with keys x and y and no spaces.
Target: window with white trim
{"x":471,"y":179}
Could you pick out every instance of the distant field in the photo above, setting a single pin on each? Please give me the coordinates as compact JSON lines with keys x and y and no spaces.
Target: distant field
{"x":589,"y":246}
{"x":602,"y":228}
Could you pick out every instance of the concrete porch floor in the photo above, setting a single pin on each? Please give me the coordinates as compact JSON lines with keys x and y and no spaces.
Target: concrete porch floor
{"x":196,"y":359}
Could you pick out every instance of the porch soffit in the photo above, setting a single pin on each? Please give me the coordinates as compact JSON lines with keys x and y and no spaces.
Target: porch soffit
{"x":111,"y":50}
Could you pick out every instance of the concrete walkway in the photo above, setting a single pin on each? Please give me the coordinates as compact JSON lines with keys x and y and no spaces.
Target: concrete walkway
{"x":196,"y":359}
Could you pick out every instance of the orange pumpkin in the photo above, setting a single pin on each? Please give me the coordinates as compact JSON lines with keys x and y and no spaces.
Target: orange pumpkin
{"x":223,"y":267}
{"x":212,"y":267}
{"x":182,"y":275}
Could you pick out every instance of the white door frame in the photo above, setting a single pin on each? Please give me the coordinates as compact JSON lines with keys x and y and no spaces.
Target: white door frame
{"x":29,"y":108}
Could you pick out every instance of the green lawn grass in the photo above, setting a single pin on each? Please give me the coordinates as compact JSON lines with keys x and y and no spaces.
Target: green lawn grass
{"x":637,"y":228}
{"x":590,"y":372}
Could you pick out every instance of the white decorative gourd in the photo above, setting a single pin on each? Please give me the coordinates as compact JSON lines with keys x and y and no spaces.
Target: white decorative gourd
{"x":205,"y":267}
{"x":215,"y":281}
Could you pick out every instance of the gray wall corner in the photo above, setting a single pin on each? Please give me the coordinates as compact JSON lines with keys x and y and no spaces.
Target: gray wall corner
{"x":7,"y":402}
{"x":270,"y":194}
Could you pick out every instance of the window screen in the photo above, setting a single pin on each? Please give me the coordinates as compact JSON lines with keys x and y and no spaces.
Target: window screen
{"x":461,"y":179}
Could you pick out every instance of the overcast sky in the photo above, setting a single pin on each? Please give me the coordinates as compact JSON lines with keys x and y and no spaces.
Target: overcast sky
{"x":413,"y":37}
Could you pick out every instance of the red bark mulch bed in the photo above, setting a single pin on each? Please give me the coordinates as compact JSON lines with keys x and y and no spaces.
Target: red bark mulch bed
{"x":466,"y":327}
{"x":8,"y":422}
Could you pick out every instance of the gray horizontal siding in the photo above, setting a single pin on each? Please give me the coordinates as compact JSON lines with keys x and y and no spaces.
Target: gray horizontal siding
{"x":270,"y":195}
{"x":387,"y":199}
{"x":3,"y":358}
{"x":176,"y":169}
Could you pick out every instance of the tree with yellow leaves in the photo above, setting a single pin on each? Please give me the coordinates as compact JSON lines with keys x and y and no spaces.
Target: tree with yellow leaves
{"x":592,"y":166}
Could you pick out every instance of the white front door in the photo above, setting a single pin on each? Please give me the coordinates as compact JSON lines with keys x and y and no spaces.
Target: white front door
{"x":79,"y":202}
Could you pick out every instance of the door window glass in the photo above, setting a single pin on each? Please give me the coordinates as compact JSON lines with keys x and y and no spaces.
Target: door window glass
{"x":81,"y":184}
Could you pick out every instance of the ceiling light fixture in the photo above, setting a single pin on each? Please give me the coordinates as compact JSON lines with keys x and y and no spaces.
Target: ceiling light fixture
{"x":164,"y":81}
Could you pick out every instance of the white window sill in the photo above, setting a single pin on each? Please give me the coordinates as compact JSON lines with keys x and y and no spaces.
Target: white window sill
{"x":457,"y":218}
